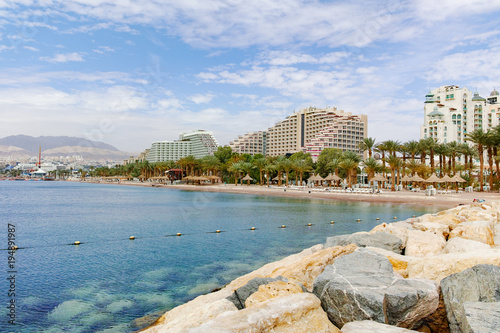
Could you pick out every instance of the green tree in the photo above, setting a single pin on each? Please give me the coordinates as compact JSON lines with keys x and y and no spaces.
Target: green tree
{"x":479,"y":138}
{"x":367,"y":144}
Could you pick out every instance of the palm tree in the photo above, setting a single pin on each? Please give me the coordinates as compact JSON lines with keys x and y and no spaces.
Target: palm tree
{"x":490,"y":142}
{"x":286,"y":165}
{"x":395,"y":163}
{"x":479,"y":138}
{"x":411,"y":147}
{"x":382,"y":149}
{"x":246,"y":167}
{"x":372,"y":166}
{"x":367,"y":144}
{"x":496,"y":134}
{"x":392,"y":146}
{"x":350,"y":166}
{"x":269,"y":168}
{"x":453,"y":148}
{"x":301,"y":166}
{"x":442,"y":150}
{"x":261,"y":163}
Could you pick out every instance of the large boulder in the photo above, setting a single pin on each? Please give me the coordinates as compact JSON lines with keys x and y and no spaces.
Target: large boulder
{"x":363,"y":286}
{"x":480,"y":283}
{"x":368,"y":326}
{"x":446,"y":218}
{"x":460,"y":245}
{"x":272,"y":290}
{"x":437,"y":228}
{"x":424,"y":243}
{"x":365,"y":239}
{"x":398,"y":229}
{"x":295,"y":313}
{"x":481,"y":317}
{"x":440,"y":266}
{"x":240,"y":295}
{"x":481,"y":231}
{"x":301,"y":268}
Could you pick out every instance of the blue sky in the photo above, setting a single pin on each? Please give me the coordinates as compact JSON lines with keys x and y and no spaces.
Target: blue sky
{"x":132,"y":72}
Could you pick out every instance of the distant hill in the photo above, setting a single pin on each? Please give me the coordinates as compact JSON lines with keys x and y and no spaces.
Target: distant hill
{"x":27,"y":146}
{"x":32,"y":144}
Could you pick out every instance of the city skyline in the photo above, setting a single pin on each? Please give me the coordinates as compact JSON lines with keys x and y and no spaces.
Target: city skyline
{"x":129,"y":75}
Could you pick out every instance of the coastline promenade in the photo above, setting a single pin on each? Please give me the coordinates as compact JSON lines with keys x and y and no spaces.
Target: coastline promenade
{"x":387,"y":196}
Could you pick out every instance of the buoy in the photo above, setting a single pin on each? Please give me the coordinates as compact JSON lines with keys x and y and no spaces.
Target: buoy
{"x":283,"y":226}
{"x":218,"y":231}
{"x":413,"y":215}
{"x":76,"y":243}
{"x":395,"y":217}
{"x":178,"y":234}
{"x":132,"y":237}
{"x":359,"y":220}
{"x":14,"y":247}
{"x":378,"y":219}
{"x":309,"y":224}
{"x":252,"y":228}
{"x":331,"y":222}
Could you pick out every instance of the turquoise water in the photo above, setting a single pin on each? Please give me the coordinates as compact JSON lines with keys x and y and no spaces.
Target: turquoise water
{"x":109,"y":282}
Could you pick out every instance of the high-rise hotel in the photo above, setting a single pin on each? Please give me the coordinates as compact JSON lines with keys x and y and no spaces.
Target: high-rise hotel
{"x":450,"y":112}
{"x":309,"y":130}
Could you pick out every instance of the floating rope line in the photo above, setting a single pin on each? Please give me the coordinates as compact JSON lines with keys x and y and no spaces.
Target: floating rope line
{"x":179,"y":234}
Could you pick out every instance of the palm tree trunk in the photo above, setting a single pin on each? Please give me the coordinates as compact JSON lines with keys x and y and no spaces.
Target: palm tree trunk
{"x":393,"y":174}
{"x":481,"y":166}
{"x":490,"y":163}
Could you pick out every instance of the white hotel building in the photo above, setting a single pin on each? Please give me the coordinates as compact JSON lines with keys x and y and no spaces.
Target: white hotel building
{"x":197,"y":143}
{"x":309,"y":130}
{"x":450,"y":112}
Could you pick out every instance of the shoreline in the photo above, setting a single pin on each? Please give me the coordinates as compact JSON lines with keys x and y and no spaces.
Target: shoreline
{"x":397,"y":197}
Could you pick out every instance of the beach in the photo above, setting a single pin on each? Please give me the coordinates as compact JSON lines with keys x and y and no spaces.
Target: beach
{"x":387,"y":196}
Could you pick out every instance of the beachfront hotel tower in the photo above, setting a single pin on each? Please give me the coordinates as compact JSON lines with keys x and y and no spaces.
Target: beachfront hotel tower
{"x":311,"y":130}
{"x":450,"y":112}
{"x":198,"y":143}
{"x":252,"y":143}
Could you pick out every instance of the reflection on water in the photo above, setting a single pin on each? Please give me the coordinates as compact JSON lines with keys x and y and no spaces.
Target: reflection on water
{"x":109,"y":282}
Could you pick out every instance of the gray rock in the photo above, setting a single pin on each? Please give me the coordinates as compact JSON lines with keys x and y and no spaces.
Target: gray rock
{"x":480,"y":283}
{"x":481,"y":317}
{"x":363,"y":286}
{"x":368,"y":326}
{"x":363,"y":239}
{"x":240,"y":295}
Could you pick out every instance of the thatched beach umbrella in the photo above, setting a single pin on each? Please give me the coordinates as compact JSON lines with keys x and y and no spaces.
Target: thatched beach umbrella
{"x":434,"y":179}
{"x":331,"y":178}
{"x":247,"y":178}
{"x":416,"y":178}
{"x":377,"y":178}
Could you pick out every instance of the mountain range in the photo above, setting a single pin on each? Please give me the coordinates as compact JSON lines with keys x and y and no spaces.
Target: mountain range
{"x":26,"y":146}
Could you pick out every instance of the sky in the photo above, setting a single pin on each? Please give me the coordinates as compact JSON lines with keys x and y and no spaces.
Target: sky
{"x":132,"y":72}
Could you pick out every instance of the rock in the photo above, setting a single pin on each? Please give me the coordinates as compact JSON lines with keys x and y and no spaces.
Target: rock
{"x":437,"y":321}
{"x":440,"y":266}
{"x":459,"y":245}
{"x":364,"y":239}
{"x":368,"y":326}
{"x":398,"y":229}
{"x":362,"y":286}
{"x":480,"y":283}
{"x":192,"y":314}
{"x":424,"y":243}
{"x":399,"y":262}
{"x":295,"y":313}
{"x":303,"y":269}
{"x":449,"y":219}
{"x":272,"y":290}
{"x":437,"y":228}
{"x":481,"y":231}
{"x":240,"y":295}
{"x":481,"y":317}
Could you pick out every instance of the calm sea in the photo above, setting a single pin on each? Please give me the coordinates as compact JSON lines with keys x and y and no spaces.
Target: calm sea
{"x":110,"y":283}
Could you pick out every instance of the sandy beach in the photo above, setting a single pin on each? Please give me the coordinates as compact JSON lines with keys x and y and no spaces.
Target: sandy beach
{"x":398,"y":197}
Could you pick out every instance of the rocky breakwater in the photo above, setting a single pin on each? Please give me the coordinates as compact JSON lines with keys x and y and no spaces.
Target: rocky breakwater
{"x":434,"y":273}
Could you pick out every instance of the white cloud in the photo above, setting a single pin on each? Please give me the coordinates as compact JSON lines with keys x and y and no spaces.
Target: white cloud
{"x":60,"y":57}
{"x":31,"y":48}
{"x":104,"y":49}
{"x":201,"y":98}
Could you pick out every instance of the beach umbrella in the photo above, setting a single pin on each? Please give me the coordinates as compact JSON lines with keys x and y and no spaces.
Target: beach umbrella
{"x":446,"y":179}
{"x":434,"y":179}
{"x":406,"y":179}
{"x":378,"y":178}
{"x":332,"y":178}
{"x":248,"y":179}
{"x":417,"y":178}
{"x":458,"y":179}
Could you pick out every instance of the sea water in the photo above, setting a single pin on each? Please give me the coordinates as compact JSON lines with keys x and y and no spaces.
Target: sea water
{"x":110,"y":283}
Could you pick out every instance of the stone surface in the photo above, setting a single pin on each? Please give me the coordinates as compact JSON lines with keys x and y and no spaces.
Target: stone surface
{"x":481,"y":231}
{"x":272,"y":290}
{"x":481,"y":317}
{"x":295,"y":313}
{"x":362,"y":286}
{"x":460,"y":245}
{"x":440,"y":266}
{"x":399,"y":262}
{"x":398,"y":229}
{"x":437,"y":228}
{"x":424,"y":243}
{"x":365,"y":239}
{"x":368,"y":326}
{"x":446,"y":218}
{"x":240,"y":295}
{"x":480,"y":283}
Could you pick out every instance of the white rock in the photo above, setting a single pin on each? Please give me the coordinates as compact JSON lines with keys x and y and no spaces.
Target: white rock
{"x":368,"y":326}
{"x":481,"y":231}
{"x":424,"y":243}
{"x":458,"y":244}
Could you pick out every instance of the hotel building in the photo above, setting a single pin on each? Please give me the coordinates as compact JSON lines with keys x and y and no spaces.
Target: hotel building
{"x":311,"y":130}
{"x":197,"y":143}
{"x":252,"y":143}
{"x":450,"y":112}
